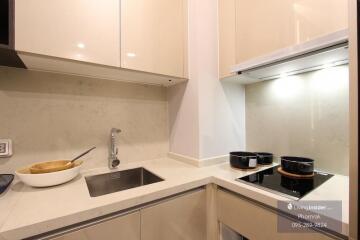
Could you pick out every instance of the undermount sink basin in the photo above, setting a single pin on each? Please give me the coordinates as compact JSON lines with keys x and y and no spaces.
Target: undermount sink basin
{"x":102,"y":184}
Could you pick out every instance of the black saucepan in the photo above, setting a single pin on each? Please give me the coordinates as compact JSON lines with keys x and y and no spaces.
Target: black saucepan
{"x":297,"y":165}
{"x":243,"y":160}
{"x":264,"y":158}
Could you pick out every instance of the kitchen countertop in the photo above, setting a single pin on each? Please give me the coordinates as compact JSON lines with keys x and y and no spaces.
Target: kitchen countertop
{"x":27,"y":211}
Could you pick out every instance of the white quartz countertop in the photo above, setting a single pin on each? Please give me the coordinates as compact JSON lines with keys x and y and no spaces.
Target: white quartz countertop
{"x":26,"y":211}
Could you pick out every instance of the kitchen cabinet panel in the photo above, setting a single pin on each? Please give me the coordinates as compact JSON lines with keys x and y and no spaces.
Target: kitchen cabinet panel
{"x":124,"y":227}
{"x":227,"y":37}
{"x":153,"y":36}
{"x":84,"y":30}
{"x":183,"y":217}
{"x":255,"y":221}
{"x":317,"y":18}
{"x":264,"y":26}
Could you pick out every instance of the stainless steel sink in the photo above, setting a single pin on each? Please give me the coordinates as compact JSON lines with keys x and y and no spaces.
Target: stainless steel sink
{"x":102,"y":184}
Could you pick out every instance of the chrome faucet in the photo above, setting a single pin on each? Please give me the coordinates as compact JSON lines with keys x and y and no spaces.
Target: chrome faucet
{"x":113,"y":151}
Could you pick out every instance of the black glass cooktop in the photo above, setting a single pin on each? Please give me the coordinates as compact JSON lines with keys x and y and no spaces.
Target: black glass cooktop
{"x":271,"y":179}
{"x":5,"y":181}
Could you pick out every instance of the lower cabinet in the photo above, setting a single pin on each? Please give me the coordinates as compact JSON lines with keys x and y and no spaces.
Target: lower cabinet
{"x":183,"y":217}
{"x":180,"y":218}
{"x":227,"y":233}
{"x":253,"y":221}
{"x":176,"y":218}
{"x":125,"y":227}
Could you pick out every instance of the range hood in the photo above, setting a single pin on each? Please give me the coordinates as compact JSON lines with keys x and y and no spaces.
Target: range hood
{"x":8,"y":55}
{"x":325,"y":51}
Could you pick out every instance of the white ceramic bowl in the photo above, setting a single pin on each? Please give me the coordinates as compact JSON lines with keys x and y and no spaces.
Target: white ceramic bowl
{"x":48,"y":179}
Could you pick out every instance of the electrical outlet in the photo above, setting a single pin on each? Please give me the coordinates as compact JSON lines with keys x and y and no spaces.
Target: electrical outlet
{"x":5,"y":148}
{"x":2,"y":147}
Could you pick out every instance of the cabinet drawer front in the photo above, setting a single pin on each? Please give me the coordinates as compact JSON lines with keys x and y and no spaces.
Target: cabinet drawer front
{"x":125,"y":227}
{"x":180,"y":218}
{"x":254,"y":221}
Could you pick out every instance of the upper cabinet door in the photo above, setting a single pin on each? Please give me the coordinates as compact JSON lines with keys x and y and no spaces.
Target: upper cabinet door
{"x":264,"y":26}
{"x":85,"y":30}
{"x":316,"y":18}
{"x":153,"y":36}
{"x":227,"y":36}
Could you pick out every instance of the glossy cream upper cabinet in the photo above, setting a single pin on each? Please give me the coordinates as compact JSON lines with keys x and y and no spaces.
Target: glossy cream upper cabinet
{"x":85,"y":30}
{"x":153,"y":36}
{"x":180,"y":218}
{"x":227,"y":36}
{"x":264,"y":26}
{"x":317,"y":18}
{"x":124,"y":227}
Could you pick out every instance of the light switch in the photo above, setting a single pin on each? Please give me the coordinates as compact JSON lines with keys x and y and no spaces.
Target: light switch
{"x":5,"y":148}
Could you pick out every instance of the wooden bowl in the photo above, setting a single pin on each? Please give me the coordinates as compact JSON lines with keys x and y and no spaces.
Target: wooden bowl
{"x":48,"y":179}
{"x":51,"y":166}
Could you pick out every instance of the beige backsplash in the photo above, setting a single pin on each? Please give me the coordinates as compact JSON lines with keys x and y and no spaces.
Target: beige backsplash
{"x":303,"y":115}
{"x":52,"y":116}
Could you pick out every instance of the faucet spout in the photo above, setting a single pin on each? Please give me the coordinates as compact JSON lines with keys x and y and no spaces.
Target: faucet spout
{"x":113,"y":158}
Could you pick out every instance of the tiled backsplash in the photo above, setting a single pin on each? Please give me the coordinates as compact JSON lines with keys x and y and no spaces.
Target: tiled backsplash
{"x":304,"y":115}
{"x":51,"y":116}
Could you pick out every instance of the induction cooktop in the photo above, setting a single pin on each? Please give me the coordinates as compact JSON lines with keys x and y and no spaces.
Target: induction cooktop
{"x":271,"y":180}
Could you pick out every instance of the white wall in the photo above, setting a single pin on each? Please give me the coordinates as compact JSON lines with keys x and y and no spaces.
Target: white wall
{"x":184,"y":119}
{"x":222,"y":118}
{"x":210,"y":116}
{"x":303,"y":115}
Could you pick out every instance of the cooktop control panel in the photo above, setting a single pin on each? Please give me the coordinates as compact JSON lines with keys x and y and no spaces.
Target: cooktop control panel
{"x":5,"y":148}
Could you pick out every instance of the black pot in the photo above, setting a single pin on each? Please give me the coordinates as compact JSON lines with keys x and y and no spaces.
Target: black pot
{"x":264,"y":158}
{"x":297,"y":165}
{"x":243,"y":160}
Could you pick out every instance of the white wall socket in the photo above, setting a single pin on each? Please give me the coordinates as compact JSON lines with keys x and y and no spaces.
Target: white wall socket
{"x":5,"y":148}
